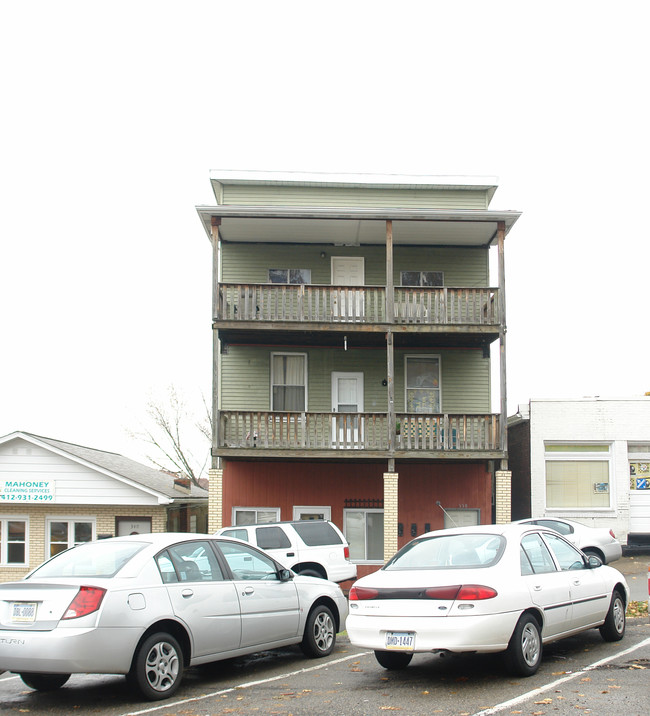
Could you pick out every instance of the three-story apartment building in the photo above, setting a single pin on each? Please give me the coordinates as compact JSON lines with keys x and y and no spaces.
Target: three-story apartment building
{"x":354,"y":325}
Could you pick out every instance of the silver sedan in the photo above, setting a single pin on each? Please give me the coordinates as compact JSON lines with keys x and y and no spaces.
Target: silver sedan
{"x":149,"y":606}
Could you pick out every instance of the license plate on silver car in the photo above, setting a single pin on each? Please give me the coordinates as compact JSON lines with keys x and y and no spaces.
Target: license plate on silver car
{"x":404,"y":640}
{"x":23,"y":612}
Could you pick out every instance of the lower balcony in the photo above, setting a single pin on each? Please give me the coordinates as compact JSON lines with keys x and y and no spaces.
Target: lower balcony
{"x":250,"y":434}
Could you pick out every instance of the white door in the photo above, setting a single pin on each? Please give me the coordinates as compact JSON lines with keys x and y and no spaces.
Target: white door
{"x":270,"y":610}
{"x":347,"y":304}
{"x":202,"y":597}
{"x":347,"y":402}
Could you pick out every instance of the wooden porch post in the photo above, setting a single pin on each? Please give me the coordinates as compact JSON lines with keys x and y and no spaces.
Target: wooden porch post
{"x":215,"y":222}
{"x":501,"y":234}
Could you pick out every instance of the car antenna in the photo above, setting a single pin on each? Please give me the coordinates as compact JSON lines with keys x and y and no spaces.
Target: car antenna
{"x":451,"y":519}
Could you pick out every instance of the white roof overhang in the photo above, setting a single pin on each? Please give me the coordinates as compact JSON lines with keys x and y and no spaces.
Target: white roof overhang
{"x":355,"y":226}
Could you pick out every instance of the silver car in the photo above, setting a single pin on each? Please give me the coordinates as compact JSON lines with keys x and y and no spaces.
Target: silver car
{"x":149,"y":606}
{"x":598,"y":541}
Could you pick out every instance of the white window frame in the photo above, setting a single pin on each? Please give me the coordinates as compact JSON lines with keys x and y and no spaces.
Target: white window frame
{"x":241,"y":508}
{"x":4,"y":543}
{"x":325,"y":509}
{"x":70,"y":519}
{"x":581,"y":456}
{"x":288,"y":353}
{"x":406,"y":386}
{"x":365,"y":510}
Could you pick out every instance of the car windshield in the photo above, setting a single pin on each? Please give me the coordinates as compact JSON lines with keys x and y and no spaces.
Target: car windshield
{"x":96,"y":559}
{"x":464,"y":551}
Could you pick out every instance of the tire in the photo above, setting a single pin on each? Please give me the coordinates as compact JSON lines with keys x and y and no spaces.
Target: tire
{"x":524,"y":653}
{"x":311,"y":573}
{"x":614,"y":627}
{"x":320,"y":633}
{"x":44,"y":682}
{"x":393,"y":660}
{"x":157,"y":667}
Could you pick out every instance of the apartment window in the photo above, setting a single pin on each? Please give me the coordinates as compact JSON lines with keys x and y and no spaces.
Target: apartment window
{"x":577,"y":475}
{"x":254,"y":515}
{"x":422,"y":384}
{"x":13,"y":541}
{"x":63,"y":534}
{"x":421,"y":278}
{"x":364,"y":531}
{"x":289,"y":381}
{"x":289,"y":275}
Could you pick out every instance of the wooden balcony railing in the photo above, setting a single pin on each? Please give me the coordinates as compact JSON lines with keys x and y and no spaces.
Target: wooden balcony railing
{"x":356,"y":304}
{"x":357,"y":431}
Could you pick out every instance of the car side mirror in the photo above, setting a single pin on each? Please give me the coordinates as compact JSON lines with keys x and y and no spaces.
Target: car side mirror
{"x":285,"y":575}
{"x":593,"y":561}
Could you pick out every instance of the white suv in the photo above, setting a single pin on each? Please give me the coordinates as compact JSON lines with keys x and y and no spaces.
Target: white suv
{"x":316,"y":548}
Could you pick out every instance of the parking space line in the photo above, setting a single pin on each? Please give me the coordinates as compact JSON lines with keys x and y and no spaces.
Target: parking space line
{"x":247,"y":685}
{"x":564,"y":679}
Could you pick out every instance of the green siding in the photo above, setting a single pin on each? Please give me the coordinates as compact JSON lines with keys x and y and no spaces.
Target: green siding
{"x":245,"y":377}
{"x":369,"y":197}
{"x":249,"y":263}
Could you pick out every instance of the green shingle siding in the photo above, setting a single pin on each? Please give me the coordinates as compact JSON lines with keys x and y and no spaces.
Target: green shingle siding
{"x":245,"y":382}
{"x":354,"y":197}
{"x":249,"y":263}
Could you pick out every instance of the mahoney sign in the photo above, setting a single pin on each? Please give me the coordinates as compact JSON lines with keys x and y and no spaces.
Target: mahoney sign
{"x":20,"y":491}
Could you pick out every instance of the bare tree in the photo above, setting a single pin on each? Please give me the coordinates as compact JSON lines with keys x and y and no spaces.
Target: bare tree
{"x":180,"y":441}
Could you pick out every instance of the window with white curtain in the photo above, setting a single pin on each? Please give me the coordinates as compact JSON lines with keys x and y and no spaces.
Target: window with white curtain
{"x":289,"y":381}
{"x":577,"y":475}
{"x":423,"y":384}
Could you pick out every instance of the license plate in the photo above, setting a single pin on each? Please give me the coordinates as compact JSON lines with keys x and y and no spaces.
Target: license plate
{"x":404,"y":640}
{"x":23,"y":612}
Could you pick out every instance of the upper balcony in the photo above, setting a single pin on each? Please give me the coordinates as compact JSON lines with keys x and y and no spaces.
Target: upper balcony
{"x":241,"y":303}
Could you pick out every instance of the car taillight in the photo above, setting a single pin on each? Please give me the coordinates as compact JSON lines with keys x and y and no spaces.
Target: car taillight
{"x":611,"y":532}
{"x":442,"y":592}
{"x":357,"y":593}
{"x":86,"y":602}
{"x":346,"y":552}
{"x":471,"y":592}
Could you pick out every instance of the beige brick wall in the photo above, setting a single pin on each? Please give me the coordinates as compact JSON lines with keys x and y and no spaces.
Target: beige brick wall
{"x":104,"y":525}
{"x":391,"y":480}
{"x":503,"y":490}
{"x":215,"y":500}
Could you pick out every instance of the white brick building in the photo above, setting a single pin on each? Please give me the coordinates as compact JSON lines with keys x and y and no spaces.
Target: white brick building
{"x":586,"y":459}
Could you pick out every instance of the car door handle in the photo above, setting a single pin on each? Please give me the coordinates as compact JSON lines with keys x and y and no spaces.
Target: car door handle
{"x":247,"y":592}
{"x":538,"y":587}
{"x":577,"y":582}
{"x":291,"y":554}
{"x":187,"y":593}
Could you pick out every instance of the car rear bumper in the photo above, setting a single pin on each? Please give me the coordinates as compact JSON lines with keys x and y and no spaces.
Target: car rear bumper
{"x":69,"y":651}
{"x":490,"y":633}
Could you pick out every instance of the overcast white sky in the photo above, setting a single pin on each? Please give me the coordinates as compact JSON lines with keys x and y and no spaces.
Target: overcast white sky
{"x":113,"y":114}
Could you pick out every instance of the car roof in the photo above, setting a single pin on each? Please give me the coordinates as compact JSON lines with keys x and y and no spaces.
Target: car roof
{"x":512,"y":529}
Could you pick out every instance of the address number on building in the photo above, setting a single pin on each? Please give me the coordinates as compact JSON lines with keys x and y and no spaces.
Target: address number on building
{"x":404,"y":640}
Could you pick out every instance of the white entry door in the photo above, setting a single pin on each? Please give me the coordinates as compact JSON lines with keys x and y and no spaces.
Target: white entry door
{"x":347,"y":402}
{"x":347,"y":304}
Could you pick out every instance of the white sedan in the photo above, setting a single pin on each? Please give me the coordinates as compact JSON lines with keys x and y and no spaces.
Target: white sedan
{"x":598,"y":541}
{"x":150,"y":605}
{"x":491,"y":588}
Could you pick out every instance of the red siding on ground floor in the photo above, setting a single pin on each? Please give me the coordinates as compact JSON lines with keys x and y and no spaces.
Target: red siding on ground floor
{"x":285,"y":484}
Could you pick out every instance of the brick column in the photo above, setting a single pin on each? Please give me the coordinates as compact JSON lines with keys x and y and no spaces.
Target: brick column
{"x":503,"y":494}
{"x":215,"y":500}
{"x":390,"y":514}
